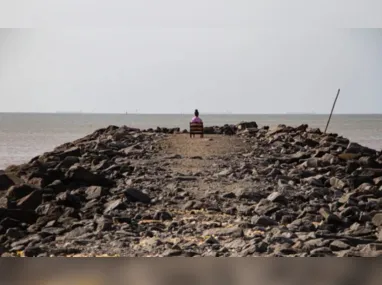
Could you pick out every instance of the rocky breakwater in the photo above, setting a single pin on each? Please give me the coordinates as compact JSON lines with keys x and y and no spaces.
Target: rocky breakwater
{"x":291,"y":191}
{"x":315,"y":194}
{"x":59,"y":202}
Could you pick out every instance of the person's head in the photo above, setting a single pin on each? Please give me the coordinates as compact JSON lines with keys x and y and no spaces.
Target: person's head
{"x":196,"y":113}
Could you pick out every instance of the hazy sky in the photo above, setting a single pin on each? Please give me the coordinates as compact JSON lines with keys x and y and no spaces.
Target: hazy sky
{"x":175,"y":70}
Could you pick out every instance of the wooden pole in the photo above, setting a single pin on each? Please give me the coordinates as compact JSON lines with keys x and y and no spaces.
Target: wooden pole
{"x":331,"y":113}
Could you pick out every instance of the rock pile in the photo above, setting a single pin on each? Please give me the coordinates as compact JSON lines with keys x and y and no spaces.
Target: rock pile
{"x":304,"y":193}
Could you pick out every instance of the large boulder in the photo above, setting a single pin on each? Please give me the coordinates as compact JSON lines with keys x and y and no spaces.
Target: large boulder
{"x":79,"y":175}
{"x":25,"y":216}
{"x":17,"y":192}
{"x":31,"y":201}
{"x":7,"y":180}
{"x":356,"y":148}
{"x":246,"y":125}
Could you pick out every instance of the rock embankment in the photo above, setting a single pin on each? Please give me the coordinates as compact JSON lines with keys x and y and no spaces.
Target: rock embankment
{"x":289,"y":191}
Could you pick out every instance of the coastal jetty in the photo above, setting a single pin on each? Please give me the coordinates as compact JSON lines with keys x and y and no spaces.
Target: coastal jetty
{"x":239,"y":191}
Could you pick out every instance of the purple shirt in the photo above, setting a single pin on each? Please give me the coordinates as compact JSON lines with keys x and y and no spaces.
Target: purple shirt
{"x":196,"y":120}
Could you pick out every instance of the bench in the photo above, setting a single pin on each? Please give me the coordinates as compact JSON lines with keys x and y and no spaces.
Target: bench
{"x":196,"y":128}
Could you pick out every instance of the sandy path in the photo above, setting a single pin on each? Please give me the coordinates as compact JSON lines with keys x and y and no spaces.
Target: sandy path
{"x":203,"y":159}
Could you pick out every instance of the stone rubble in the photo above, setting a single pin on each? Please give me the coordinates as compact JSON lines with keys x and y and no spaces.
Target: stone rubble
{"x":111,"y":192}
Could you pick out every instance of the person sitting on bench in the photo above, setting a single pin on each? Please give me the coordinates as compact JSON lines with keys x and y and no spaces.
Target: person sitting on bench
{"x":196,"y":125}
{"x":196,"y":119}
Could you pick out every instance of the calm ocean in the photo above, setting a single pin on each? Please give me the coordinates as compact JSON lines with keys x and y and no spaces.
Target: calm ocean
{"x":23,"y":136}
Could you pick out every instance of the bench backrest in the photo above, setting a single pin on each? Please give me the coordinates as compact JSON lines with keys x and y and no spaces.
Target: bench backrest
{"x":196,"y":128}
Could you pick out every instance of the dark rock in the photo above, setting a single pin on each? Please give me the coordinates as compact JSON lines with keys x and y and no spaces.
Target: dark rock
{"x":172,"y":252}
{"x":136,"y":195}
{"x":68,"y":162}
{"x":263,"y":221}
{"x":68,"y":200}
{"x":7,"y":223}
{"x":71,"y":152}
{"x":82,"y":176}
{"x":57,"y":186}
{"x":163,"y":216}
{"x":329,"y":217}
{"x":30,"y":202}
{"x":246,"y":125}
{"x":33,"y":251}
{"x":248,"y":193}
{"x":7,"y":180}
{"x":14,"y":233}
{"x":367,"y":161}
{"x":356,"y":148}
{"x":186,"y":178}
{"x":19,"y":191}
{"x":24,"y":216}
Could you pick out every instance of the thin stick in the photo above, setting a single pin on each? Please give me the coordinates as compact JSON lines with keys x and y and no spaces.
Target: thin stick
{"x":334,"y":104}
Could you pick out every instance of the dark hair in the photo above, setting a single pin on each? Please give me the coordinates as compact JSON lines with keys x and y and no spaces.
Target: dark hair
{"x":196,"y":113}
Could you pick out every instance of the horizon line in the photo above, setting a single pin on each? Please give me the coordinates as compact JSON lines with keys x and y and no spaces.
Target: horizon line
{"x":206,"y":113}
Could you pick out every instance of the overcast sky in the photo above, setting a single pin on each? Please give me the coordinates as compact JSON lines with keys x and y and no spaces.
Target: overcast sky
{"x":175,"y":70}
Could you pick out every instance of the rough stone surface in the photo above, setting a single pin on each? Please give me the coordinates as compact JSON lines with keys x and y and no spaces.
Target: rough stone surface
{"x":242,"y":190}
